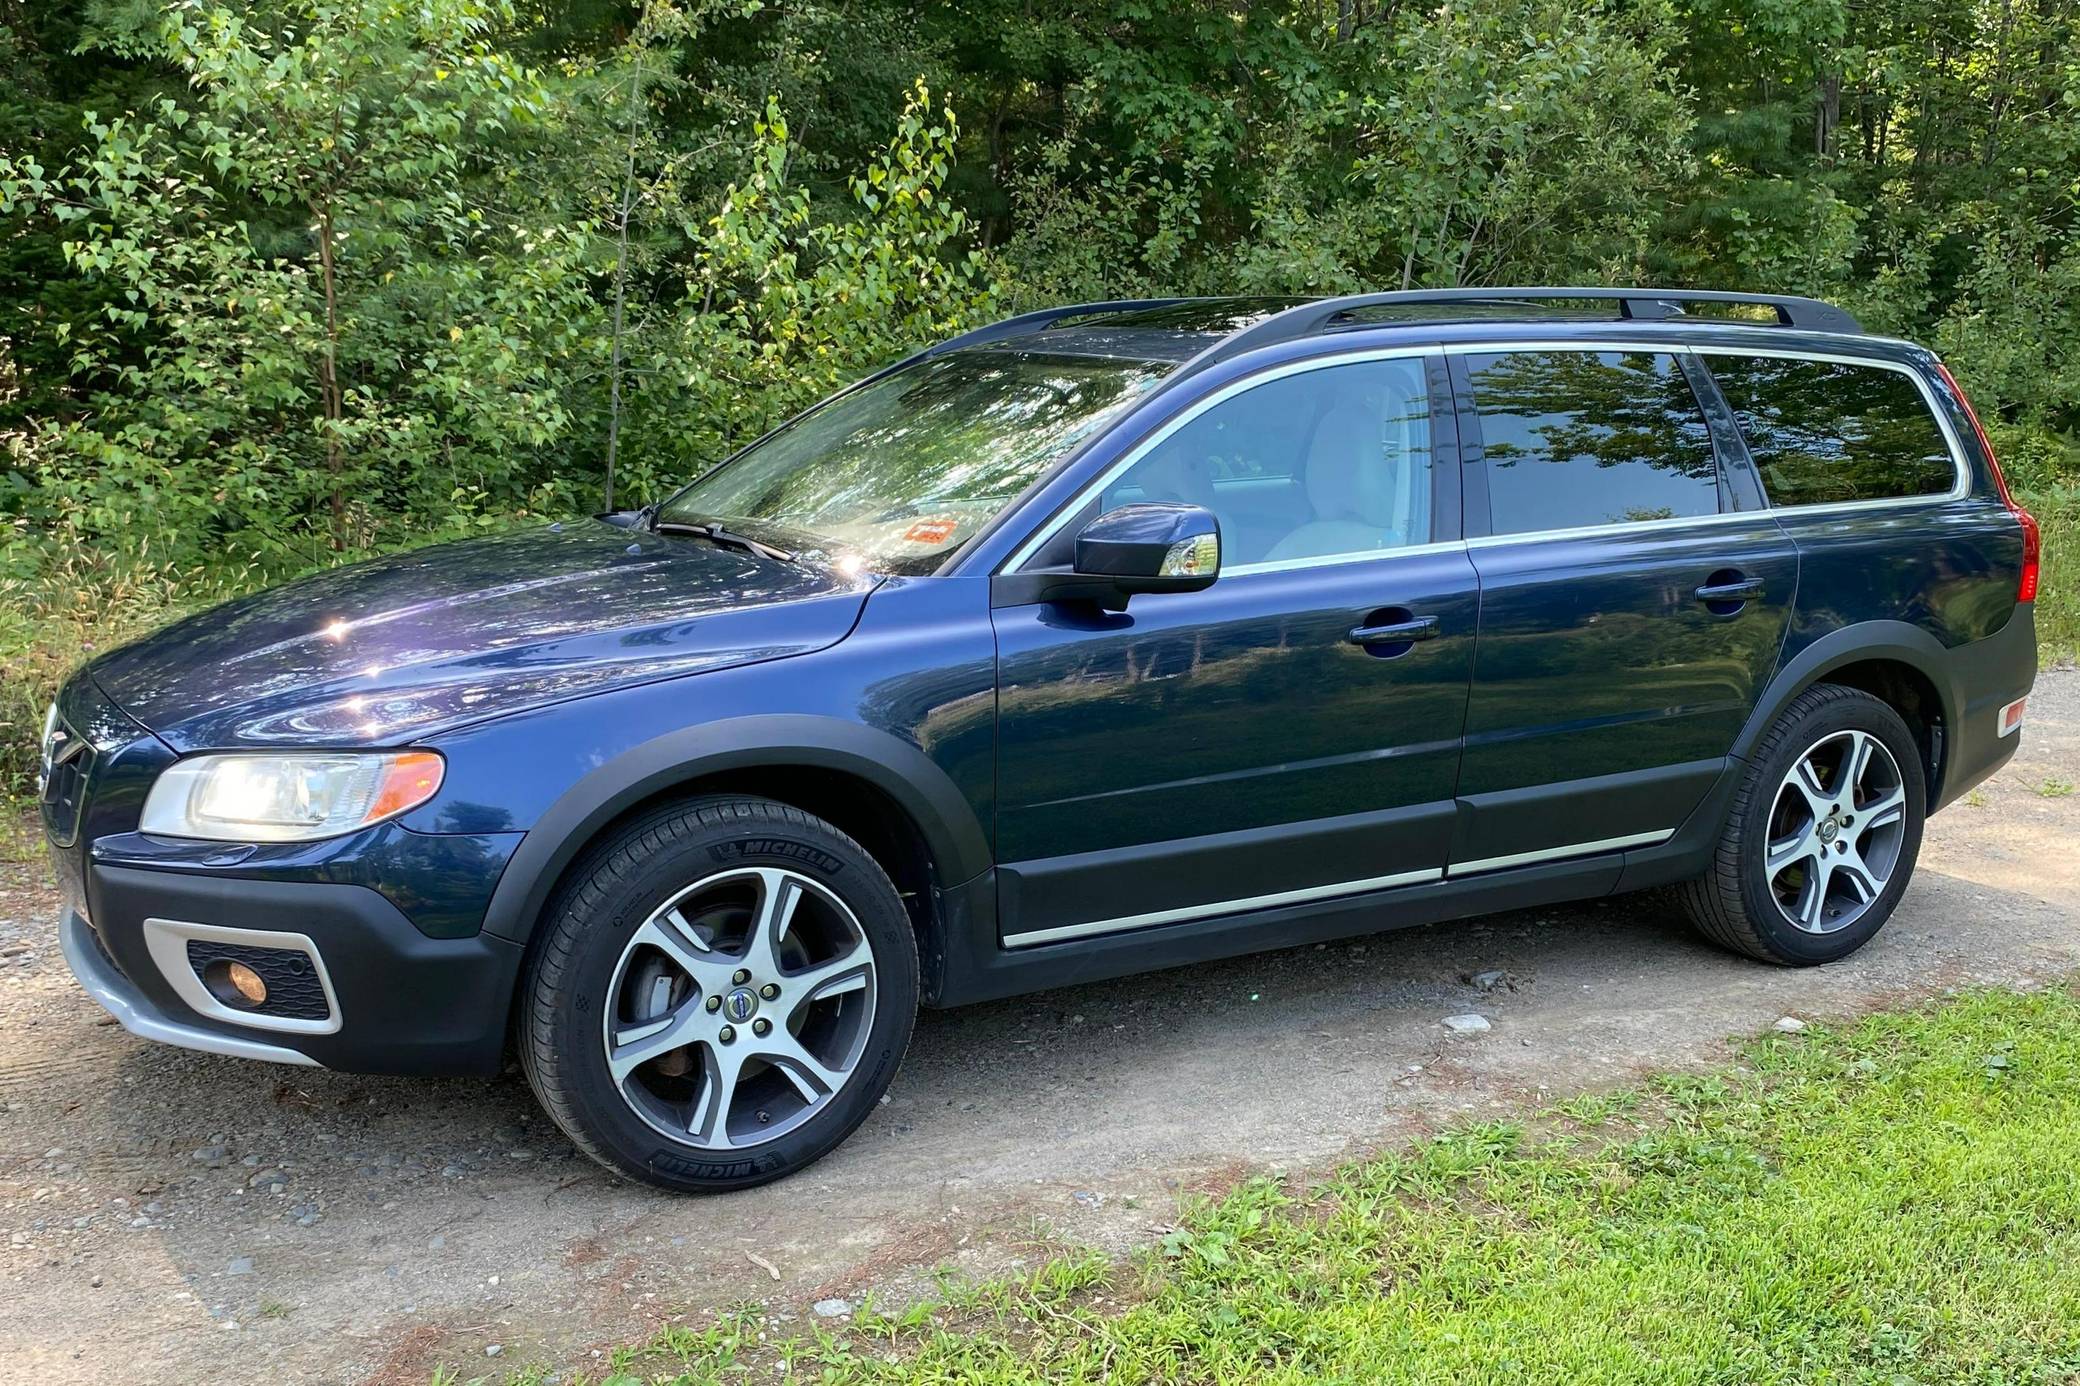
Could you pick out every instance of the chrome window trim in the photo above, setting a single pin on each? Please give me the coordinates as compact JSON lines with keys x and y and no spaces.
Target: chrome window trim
{"x":1055,"y":523}
{"x":1959,"y":490}
{"x":1339,"y":560}
{"x":1490,"y":541}
{"x":167,"y":941}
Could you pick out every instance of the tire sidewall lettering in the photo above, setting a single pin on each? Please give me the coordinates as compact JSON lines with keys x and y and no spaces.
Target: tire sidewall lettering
{"x":786,"y":849}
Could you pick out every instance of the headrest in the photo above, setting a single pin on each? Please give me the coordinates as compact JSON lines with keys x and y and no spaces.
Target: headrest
{"x":1347,"y":473}
{"x":1169,"y":475}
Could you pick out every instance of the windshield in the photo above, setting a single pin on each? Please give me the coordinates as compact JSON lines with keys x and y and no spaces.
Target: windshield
{"x":902,"y":471}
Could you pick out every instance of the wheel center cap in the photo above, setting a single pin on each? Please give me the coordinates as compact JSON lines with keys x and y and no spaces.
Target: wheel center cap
{"x":740,"y":1005}
{"x":1828,"y":828}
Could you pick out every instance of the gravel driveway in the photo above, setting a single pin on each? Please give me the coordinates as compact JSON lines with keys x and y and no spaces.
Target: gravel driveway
{"x":174,"y":1217}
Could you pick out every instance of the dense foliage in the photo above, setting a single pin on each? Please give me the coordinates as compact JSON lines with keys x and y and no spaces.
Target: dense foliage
{"x":282,"y":280}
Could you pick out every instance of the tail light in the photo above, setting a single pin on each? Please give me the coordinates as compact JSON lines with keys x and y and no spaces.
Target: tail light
{"x":2032,"y":535}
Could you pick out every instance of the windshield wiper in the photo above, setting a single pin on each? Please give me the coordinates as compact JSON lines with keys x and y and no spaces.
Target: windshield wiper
{"x":716,"y":534}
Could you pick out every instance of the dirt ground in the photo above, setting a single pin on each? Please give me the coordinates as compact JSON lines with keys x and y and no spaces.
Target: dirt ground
{"x":175,"y":1217}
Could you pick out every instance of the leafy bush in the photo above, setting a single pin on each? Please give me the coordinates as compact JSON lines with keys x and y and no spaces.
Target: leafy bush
{"x":345,"y":314}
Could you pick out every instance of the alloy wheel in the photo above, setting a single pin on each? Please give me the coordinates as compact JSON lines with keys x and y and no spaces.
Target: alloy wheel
{"x":1835,"y":831}
{"x":739,"y":1008}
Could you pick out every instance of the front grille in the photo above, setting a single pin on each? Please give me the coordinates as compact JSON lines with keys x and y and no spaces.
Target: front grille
{"x":67,"y":759}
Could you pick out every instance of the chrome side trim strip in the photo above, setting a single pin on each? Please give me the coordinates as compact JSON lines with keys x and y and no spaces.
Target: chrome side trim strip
{"x":1251,"y":902}
{"x":167,"y":940}
{"x":1328,"y":892}
{"x":1573,"y":849}
{"x":140,"y":1017}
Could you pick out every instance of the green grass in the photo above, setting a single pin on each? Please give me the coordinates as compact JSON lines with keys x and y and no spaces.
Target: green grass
{"x":1896,"y":1201}
{"x":2058,"y":600}
{"x":65,"y":614}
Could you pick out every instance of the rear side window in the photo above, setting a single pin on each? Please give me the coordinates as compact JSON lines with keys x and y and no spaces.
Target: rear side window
{"x":1823,"y":432}
{"x":1577,"y":438}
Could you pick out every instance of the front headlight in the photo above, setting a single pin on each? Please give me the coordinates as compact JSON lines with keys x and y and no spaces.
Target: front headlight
{"x":288,"y":798}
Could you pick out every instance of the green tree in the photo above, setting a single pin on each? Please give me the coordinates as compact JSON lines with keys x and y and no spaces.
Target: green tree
{"x":351,"y":300}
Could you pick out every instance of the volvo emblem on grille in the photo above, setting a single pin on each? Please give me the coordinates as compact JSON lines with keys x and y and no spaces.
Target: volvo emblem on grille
{"x":59,"y":747}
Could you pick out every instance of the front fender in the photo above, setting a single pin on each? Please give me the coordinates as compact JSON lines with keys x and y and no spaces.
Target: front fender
{"x":952,"y":833}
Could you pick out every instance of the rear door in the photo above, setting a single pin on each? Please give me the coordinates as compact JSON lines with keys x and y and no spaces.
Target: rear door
{"x":1634,"y":600}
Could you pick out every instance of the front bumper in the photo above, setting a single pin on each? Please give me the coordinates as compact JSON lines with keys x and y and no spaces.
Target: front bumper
{"x":372,"y":943}
{"x":137,"y":1013}
{"x":399,"y":1001}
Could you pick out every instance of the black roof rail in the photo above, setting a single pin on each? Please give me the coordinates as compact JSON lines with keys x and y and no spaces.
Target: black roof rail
{"x":1309,"y":319}
{"x":1023,"y":324}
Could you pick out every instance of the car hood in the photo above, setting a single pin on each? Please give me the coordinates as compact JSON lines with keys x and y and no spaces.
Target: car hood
{"x":397,"y":648}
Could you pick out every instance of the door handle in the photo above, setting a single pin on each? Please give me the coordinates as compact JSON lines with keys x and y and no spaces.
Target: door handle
{"x":1419,"y":628}
{"x":1744,"y":590}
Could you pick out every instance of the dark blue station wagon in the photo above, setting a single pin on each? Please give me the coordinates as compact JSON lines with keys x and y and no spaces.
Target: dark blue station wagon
{"x":1103,"y":639}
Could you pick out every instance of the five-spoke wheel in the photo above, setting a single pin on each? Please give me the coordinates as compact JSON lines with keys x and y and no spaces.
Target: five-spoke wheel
{"x":1835,"y":831}
{"x":739,"y":1007}
{"x":1820,"y":840}
{"x":722,"y":992}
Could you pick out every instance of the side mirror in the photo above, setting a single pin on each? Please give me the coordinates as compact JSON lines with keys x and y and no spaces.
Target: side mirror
{"x":1151,"y":548}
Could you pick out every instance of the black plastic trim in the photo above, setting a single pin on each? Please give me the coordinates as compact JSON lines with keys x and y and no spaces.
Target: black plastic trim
{"x":407,"y":1003}
{"x":978,"y":970}
{"x":955,"y":838}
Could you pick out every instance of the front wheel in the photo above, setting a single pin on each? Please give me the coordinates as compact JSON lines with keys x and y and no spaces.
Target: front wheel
{"x":1823,"y":835}
{"x":722,"y":994}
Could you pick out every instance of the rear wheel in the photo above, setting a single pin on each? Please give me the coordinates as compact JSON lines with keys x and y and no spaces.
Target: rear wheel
{"x":1823,"y":835}
{"x":722,"y":994}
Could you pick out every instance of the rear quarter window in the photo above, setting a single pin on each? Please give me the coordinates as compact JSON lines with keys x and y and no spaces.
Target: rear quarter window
{"x":1828,"y":432}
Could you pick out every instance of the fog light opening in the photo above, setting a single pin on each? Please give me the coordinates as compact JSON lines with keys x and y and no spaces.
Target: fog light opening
{"x":235,"y":984}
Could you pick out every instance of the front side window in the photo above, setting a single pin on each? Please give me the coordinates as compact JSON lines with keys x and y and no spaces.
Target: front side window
{"x":1324,"y":463}
{"x":1824,"y":432}
{"x":901,"y":472}
{"x":1580,"y":438}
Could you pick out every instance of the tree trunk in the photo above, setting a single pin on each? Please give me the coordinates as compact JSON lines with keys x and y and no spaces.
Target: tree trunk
{"x":328,"y":376}
{"x":628,"y":199}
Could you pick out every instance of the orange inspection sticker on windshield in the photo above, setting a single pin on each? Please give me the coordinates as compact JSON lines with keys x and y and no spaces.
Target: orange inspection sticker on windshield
{"x":936,"y":530}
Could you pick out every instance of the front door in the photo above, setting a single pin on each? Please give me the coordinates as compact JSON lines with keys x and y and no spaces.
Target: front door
{"x":1634,"y":599}
{"x":1257,"y":744}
